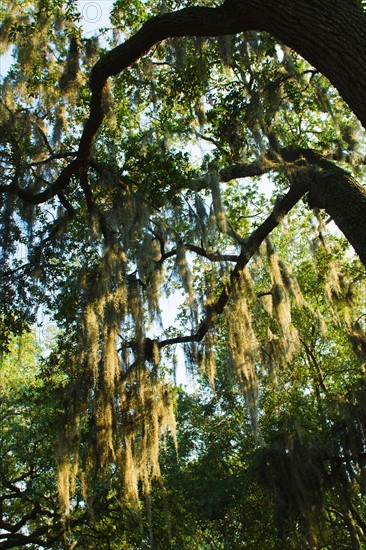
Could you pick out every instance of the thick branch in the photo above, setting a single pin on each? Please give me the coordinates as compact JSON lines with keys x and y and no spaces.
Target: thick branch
{"x":194,"y":21}
{"x":338,"y":26}
{"x":246,"y":170}
{"x":338,"y":193}
{"x":211,"y":255}
{"x":330,"y":34}
{"x":330,"y":188}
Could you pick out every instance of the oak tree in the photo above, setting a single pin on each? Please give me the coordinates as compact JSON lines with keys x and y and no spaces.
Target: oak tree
{"x":130,"y":170}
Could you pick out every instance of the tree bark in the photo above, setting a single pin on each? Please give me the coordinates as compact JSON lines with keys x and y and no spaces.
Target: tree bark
{"x":343,"y":198}
{"x":333,"y":189}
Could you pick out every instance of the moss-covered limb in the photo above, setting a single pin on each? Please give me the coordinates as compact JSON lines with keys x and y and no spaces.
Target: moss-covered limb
{"x":195,"y":21}
{"x":246,"y":170}
{"x":344,"y":199}
{"x":231,"y":18}
{"x":248,"y":249}
{"x":192,"y":21}
{"x":330,"y":187}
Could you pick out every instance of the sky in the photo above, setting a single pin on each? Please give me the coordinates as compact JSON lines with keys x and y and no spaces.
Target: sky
{"x":94,"y":14}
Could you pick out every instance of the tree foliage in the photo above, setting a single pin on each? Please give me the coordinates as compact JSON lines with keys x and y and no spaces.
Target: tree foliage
{"x":205,"y":173}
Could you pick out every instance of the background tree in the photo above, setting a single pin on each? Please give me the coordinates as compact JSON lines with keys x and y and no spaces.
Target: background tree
{"x":101,"y":220}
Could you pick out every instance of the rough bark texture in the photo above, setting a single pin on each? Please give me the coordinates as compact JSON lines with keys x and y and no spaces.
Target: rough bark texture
{"x":343,"y":198}
{"x":338,"y":193}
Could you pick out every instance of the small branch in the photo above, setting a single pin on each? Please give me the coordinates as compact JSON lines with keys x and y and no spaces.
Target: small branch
{"x":55,"y":156}
{"x":313,"y":361}
{"x":45,"y":139}
{"x":65,"y":203}
{"x":211,"y":256}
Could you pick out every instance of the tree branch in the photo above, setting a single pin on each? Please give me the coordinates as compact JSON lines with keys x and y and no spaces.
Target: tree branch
{"x":37,"y":198}
{"x":53,"y":156}
{"x":193,"y":21}
{"x":210,"y":255}
{"x":299,"y":188}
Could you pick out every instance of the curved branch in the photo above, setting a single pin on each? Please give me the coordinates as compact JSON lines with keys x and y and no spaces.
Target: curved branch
{"x":37,"y":198}
{"x":194,"y":21}
{"x":53,"y":156}
{"x":211,"y":255}
{"x":301,"y":27}
{"x":338,"y":193}
{"x":246,"y":170}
